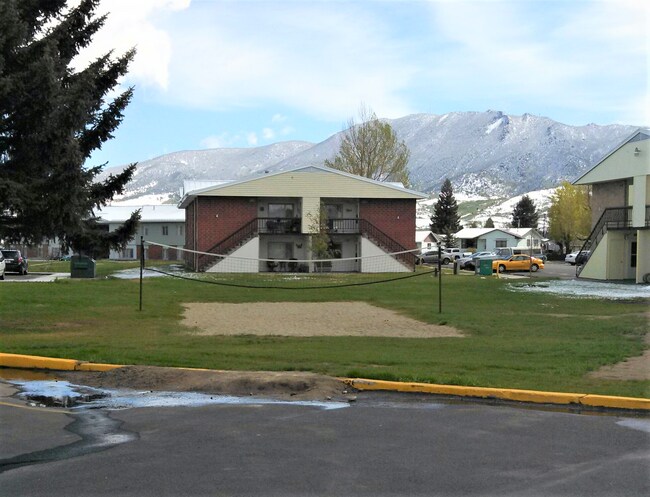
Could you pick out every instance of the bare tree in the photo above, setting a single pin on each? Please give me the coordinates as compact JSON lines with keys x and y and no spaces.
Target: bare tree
{"x":371,"y":149}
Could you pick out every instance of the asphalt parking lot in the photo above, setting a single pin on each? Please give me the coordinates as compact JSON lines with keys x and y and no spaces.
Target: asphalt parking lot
{"x":552,"y":269}
{"x":381,"y":445}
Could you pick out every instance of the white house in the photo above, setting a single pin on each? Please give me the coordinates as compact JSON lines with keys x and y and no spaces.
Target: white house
{"x":426,"y":240}
{"x":163,"y":224}
{"x":486,"y":238}
{"x":528,"y":237}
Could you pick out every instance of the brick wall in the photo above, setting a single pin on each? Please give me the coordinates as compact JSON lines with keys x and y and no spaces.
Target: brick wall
{"x":216,"y":219}
{"x":395,"y":217}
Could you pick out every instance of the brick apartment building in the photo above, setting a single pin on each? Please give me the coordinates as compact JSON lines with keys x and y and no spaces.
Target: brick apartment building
{"x":274,"y":217}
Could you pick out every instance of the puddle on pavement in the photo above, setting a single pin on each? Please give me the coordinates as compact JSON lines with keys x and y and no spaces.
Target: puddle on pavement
{"x":97,"y":432}
{"x":635,"y":424}
{"x":65,"y":394}
{"x":90,"y":408}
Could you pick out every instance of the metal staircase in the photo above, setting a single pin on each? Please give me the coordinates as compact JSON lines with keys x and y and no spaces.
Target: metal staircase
{"x":382,"y":240}
{"x":228,"y":244}
{"x":612,"y":218}
{"x":256,"y":226}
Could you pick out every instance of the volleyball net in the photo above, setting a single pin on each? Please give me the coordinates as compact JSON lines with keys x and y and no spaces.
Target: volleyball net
{"x":281,"y":273}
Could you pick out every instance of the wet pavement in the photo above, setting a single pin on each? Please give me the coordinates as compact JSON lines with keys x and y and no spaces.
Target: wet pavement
{"x":382,"y":444}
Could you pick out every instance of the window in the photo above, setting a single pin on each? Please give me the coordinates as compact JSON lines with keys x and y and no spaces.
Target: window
{"x":165,"y":230}
{"x":500,"y":243}
{"x":281,"y":210}
{"x":179,"y":230}
{"x":127,"y":254}
{"x":334,"y":211}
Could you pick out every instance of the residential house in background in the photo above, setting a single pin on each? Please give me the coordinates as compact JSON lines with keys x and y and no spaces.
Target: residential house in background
{"x":274,"y":217}
{"x":528,"y":237}
{"x":164,"y":224}
{"x":618,"y":247}
{"x":427,"y":240}
{"x":483,"y":239}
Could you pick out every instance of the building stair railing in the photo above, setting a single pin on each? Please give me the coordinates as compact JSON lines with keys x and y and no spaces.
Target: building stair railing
{"x":337,"y":226}
{"x":225,"y":246}
{"x":371,"y":232}
{"x":613,"y":218}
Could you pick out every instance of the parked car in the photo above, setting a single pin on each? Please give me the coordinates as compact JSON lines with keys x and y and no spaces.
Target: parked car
{"x":431,"y":257}
{"x":505,"y":252}
{"x":15,"y":262}
{"x":518,"y":263}
{"x":468,"y":261}
{"x":578,"y":257}
{"x":3,"y":265}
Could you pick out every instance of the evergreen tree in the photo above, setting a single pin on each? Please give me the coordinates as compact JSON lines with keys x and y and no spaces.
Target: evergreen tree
{"x":445,"y":219}
{"x":488,"y":223}
{"x":525,"y":214}
{"x":371,"y":149}
{"x":52,"y":117}
{"x":569,"y":215}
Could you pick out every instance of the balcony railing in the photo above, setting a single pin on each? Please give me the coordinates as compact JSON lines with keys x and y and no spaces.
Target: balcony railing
{"x":343,"y":225}
{"x":294,"y":226}
{"x":278,"y":225}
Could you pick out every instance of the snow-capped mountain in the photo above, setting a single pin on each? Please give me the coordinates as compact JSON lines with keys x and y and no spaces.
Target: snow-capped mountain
{"x":487,"y":154}
{"x":476,"y":210}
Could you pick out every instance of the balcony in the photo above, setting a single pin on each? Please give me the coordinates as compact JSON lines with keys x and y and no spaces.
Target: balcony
{"x":278,"y":225}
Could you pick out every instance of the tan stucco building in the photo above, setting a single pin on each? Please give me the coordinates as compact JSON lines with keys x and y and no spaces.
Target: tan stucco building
{"x":619,"y":244}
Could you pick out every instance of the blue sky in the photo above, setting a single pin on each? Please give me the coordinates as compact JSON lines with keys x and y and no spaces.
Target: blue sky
{"x":217,"y":73}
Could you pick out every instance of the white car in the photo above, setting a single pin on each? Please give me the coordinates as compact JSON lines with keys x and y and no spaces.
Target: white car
{"x":3,"y":265}
{"x":576,"y":257}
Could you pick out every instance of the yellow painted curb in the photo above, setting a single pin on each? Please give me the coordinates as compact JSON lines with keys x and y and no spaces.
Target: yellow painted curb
{"x":36,"y":362}
{"x":503,"y":394}
{"x":620,"y":402}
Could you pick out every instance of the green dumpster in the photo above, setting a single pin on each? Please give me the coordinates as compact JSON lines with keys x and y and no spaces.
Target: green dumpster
{"x":82,"y":266}
{"x":485,"y":266}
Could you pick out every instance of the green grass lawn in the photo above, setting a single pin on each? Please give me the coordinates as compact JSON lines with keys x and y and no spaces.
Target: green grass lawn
{"x":513,"y":339}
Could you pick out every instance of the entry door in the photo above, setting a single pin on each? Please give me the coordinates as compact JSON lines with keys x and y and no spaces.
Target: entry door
{"x":617,"y":262}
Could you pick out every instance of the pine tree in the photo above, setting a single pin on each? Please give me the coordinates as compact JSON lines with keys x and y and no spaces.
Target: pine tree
{"x":52,"y":117}
{"x":445,"y":219}
{"x":525,"y":214}
{"x":371,"y":149}
{"x":488,"y":223}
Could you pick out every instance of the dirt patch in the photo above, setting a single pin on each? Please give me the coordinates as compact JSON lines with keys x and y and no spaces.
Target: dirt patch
{"x":634,"y":368}
{"x":290,"y":384}
{"x":307,"y":319}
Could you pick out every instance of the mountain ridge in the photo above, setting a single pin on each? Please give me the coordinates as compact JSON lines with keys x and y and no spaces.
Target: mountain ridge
{"x":489,"y":154}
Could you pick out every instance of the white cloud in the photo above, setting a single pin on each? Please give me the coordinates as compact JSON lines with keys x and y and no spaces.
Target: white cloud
{"x":319,"y":59}
{"x":217,"y":141}
{"x":268,"y":133}
{"x":251,"y":139}
{"x":575,"y":55}
{"x":133,"y":24}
